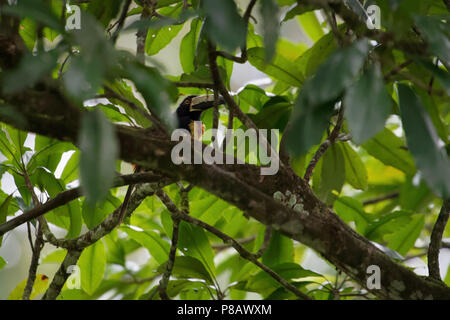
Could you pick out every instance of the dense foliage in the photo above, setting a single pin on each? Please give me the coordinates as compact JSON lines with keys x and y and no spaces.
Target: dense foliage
{"x":364,"y":116}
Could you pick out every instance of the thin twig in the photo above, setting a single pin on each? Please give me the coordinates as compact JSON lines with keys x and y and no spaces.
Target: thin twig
{"x":121,"y":21}
{"x":398,"y":68}
{"x":266,"y":241}
{"x":38,"y":244}
{"x":200,"y":85}
{"x":384,"y":197}
{"x":436,"y":240}
{"x":170,"y":262}
{"x":325,"y":145}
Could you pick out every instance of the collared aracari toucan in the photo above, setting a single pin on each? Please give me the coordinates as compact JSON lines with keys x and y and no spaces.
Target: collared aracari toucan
{"x":188,"y":112}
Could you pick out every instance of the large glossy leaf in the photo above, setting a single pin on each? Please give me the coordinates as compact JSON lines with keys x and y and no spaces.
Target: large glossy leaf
{"x":98,"y":145}
{"x":307,"y":125}
{"x":194,"y":242}
{"x":423,"y":141}
{"x":367,"y":105}
{"x":332,"y":174}
{"x":157,"y":39}
{"x":224,"y":25}
{"x":279,"y":68}
{"x":208,"y":209}
{"x":188,"y":47}
{"x":355,"y":170}
{"x":336,"y":73}
{"x":390,"y":149}
{"x":157,"y":247}
{"x":405,"y":236}
{"x":92,"y":265}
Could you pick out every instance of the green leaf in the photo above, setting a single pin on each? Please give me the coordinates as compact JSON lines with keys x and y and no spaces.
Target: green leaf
{"x":70,"y":172}
{"x":40,"y":285}
{"x":56,"y":256}
{"x":350,"y":209}
{"x":93,"y":216}
{"x":307,"y":125}
{"x":36,"y":10}
{"x":404,"y":238}
{"x":280,"y":68}
{"x":387,"y":224}
{"x":355,"y":170}
{"x":3,"y":213}
{"x":280,"y":250}
{"x":390,"y":149}
{"x":158,"y":39}
{"x":157,"y":247}
{"x":332,"y":174}
{"x":98,"y":145}
{"x":311,"y":25}
{"x":336,"y":73}
{"x":224,"y":25}
{"x":27,"y":31}
{"x":312,"y":58}
{"x":67,"y":216}
{"x":193,"y":242}
{"x":437,"y":34}
{"x":273,"y":116}
{"x":188,"y":267}
{"x":208,"y":209}
{"x":252,"y":96}
{"x":92,"y":265}
{"x":269,"y":11}
{"x":423,"y":142}
{"x":2,"y":263}
{"x":367,"y":105}
{"x":188,"y":47}
{"x":104,"y":13}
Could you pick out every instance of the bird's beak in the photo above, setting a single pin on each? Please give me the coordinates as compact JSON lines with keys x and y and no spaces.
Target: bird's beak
{"x":202,"y":103}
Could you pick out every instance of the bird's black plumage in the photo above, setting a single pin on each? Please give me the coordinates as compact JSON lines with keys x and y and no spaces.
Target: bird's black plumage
{"x":191,"y":108}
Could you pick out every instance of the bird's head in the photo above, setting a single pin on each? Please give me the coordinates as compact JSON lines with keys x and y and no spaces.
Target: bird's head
{"x":191,"y":108}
